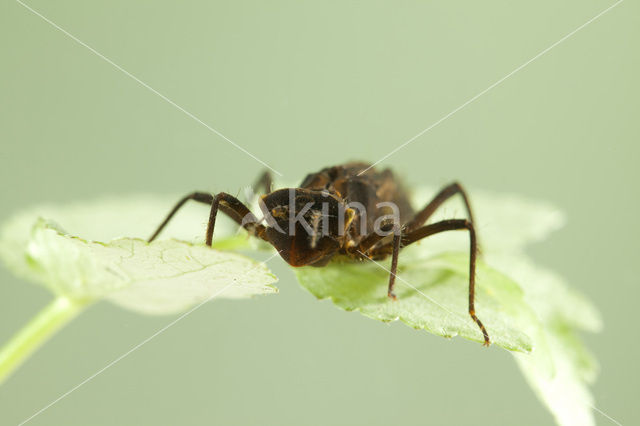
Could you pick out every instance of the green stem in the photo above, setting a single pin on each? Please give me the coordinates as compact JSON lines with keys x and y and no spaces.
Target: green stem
{"x":52,"y":318}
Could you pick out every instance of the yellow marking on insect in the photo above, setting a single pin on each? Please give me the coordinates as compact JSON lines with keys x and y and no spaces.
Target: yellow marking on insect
{"x":350,"y":215}
{"x":280,"y":212}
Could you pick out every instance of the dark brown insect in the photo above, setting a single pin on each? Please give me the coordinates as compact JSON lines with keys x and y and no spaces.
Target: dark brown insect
{"x":350,"y":210}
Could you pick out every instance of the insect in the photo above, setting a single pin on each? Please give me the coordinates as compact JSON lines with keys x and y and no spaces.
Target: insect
{"x":349,"y":210}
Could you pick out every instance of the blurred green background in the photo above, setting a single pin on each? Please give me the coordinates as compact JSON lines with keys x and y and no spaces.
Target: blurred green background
{"x":303,"y":85}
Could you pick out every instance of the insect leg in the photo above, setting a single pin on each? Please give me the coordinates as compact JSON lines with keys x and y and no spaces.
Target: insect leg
{"x":236,"y":210}
{"x":201,"y":197}
{"x":374,"y":238}
{"x":224,"y":202}
{"x":445,"y":193}
{"x":262,"y":185}
{"x":264,"y":182}
{"x":394,"y":264}
{"x":444,"y":226}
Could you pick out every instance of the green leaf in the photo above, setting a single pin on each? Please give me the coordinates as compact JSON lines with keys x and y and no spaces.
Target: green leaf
{"x":566,"y":391}
{"x":563,"y":312}
{"x":431,"y":294}
{"x":163,"y":277}
{"x":540,"y":313}
{"x":560,"y":368}
{"x":538,"y":319}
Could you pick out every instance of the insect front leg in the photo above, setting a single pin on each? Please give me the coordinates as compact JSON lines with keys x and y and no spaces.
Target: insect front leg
{"x":201,"y":197}
{"x":236,"y":210}
{"x":436,"y":228}
{"x":368,"y":247}
{"x":223,"y":202}
{"x":394,"y":263}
